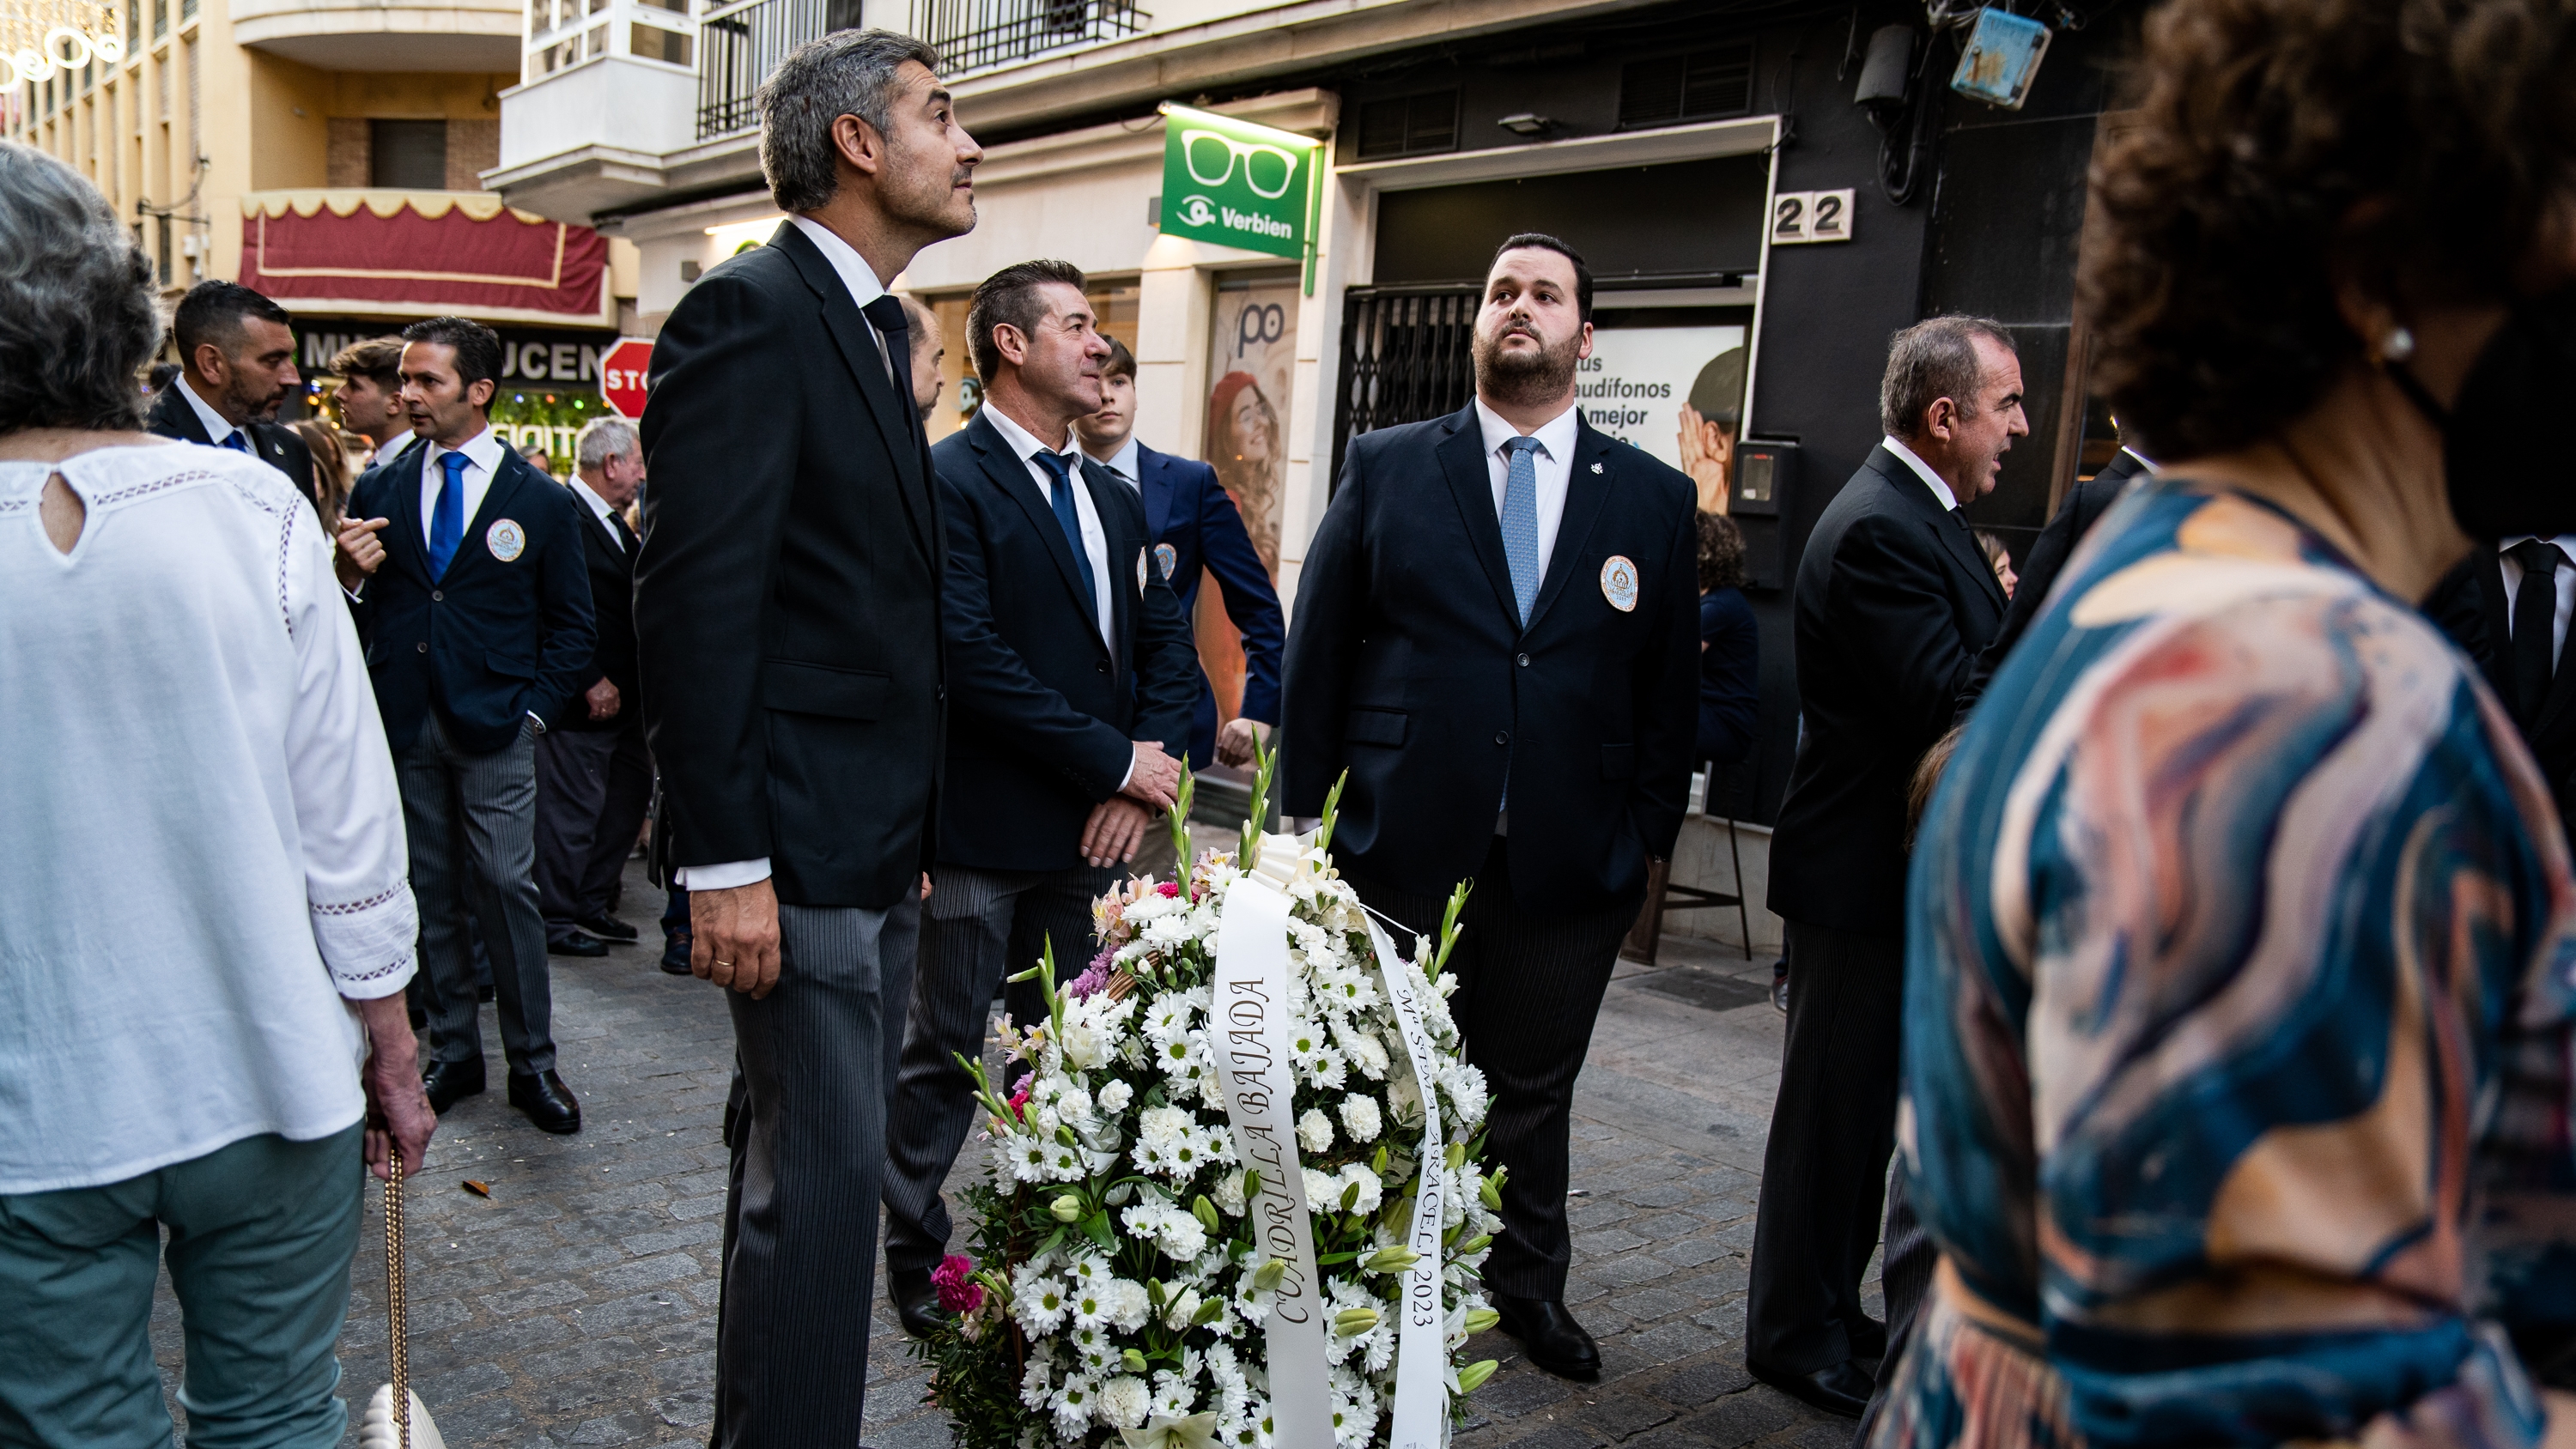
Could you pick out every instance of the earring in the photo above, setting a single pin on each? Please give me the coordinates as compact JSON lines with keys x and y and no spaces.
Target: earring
{"x":2397,"y":346}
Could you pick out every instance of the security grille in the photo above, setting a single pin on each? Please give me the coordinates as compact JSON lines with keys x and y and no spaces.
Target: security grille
{"x":1405,"y":359}
{"x":739,"y":45}
{"x":973,"y":34}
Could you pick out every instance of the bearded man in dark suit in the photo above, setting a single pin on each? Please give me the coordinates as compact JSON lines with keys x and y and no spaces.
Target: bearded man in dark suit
{"x":237,"y":363}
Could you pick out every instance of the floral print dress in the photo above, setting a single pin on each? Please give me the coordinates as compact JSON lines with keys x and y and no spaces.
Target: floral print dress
{"x":2238,"y":1019}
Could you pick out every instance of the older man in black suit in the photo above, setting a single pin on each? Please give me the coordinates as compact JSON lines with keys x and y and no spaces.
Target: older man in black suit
{"x":237,"y":363}
{"x":2507,"y":606}
{"x":478,"y":627}
{"x":787,"y":625}
{"x":1496,"y":638}
{"x":1074,"y":677}
{"x":1893,"y":603}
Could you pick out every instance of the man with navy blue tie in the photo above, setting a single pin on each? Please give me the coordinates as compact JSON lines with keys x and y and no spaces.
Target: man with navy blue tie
{"x":1070,"y":676}
{"x":237,"y":364}
{"x":1195,"y":525}
{"x":479,"y":637}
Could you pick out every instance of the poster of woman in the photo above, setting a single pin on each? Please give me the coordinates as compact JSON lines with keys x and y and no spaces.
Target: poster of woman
{"x":1252,"y":361}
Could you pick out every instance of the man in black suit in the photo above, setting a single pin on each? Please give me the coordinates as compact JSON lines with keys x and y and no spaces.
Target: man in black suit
{"x":1196,"y":529}
{"x":1893,"y":602}
{"x":237,"y":361}
{"x":787,"y":624}
{"x":1496,"y":639}
{"x":478,"y":629}
{"x":2507,"y":607}
{"x":1073,"y":675}
{"x":594,"y":774}
{"x":2083,"y":507}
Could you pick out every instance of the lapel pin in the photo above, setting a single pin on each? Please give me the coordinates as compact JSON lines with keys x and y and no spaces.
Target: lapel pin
{"x":1596,"y":467}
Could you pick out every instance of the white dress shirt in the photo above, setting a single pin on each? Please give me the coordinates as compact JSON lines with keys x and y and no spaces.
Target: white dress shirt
{"x":1554,"y":462}
{"x":205,"y":854}
{"x":216,"y":425}
{"x":865,"y":287}
{"x":599,"y":509}
{"x":1095,"y":539}
{"x":1124,"y":463}
{"x":482,"y":461}
{"x":2565,"y":579}
{"x":1940,"y":486}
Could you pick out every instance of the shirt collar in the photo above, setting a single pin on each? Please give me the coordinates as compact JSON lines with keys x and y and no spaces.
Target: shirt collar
{"x":845,"y":259}
{"x":217,"y":429}
{"x":1940,"y":486}
{"x":483,"y":450}
{"x":1022,"y":441}
{"x":598,"y":505}
{"x":1555,"y":436}
{"x":2566,"y":543}
{"x":1126,"y":462}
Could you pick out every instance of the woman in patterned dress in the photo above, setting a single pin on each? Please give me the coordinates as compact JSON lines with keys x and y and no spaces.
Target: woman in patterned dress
{"x":2241,"y":986}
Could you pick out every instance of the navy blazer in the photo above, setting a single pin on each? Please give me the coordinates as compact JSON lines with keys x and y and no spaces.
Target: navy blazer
{"x":1196,"y":526}
{"x":1043,"y":711}
{"x":1408,"y":667}
{"x":492,"y":641}
{"x":1893,"y":603}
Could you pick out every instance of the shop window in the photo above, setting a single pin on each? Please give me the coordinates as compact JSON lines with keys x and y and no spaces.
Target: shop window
{"x":1115,"y":305}
{"x":407,"y":155}
{"x":1417,"y":125}
{"x":652,"y":42}
{"x":1699,"y":86}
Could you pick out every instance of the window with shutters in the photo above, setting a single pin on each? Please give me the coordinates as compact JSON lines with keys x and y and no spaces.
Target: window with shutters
{"x":1415,"y":125}
{"x":1700,"y":85}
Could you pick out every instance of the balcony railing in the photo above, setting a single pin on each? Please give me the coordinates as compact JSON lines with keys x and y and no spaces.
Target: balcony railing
{"x":974,"y":34}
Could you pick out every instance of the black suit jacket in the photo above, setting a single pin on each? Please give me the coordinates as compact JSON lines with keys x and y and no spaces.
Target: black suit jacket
{"x":2083,"y":507}
{"x":1893,"y":602}
{"x":276,"y":444}
{"x":2471,"y":606}
{"x":1194,"y":518}
{"x":612,"y":599}
{"x":493,"y":640}
{"x":787,"y":592}
{"x":1046,"y":710}
{"x":1408,"y":667}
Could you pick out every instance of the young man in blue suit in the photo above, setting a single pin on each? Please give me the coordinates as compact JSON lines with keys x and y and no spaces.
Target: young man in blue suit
{"x":1195,"y":525}
{"x":478,"y":626}
{"x":1497,"y":640}
{"x":1070,"y":679}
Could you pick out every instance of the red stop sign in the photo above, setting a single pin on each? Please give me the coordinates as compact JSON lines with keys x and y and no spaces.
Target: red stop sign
{"x":621,"y":375}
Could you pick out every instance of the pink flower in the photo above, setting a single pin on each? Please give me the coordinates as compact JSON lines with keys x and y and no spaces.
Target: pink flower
{"x":958,"y":1292}
{"x":1020,"y":1097}
{"x":1170,"y":890}
{"x":1095,"y":978}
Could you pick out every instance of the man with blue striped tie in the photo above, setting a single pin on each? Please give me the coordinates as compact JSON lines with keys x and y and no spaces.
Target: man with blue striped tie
{"x":1495,"y":638}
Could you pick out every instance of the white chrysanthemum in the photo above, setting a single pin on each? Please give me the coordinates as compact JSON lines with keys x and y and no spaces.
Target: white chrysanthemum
{"x":1227,"y":1193}
{"x":1464,"y":1087}
{"x":1037,"y":1385}
{"x":1314,"y":1131}
{"x":1181,"y":1307}
{"x":1174,"y":1397}
{"x":1364,"y":1047}
{"x":1181,"y":1236}
{"x":1359,"y":1116}
{"x":1126,"y":1304}
{"x":1114,"y":1097}
{"x":1323,"y":1191}
{"x":1027,"y":1157}
{"x":1037,"y":1300}
{"x":1160,"y":1127}
{"x":1123,"y":1401}
{"x":1372,"y":1191}
{"x":1094,"y":1354}
{"x":1074,"y":1407}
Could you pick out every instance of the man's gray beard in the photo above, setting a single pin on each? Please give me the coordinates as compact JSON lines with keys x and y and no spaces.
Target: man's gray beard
{"x":1517,"y":380}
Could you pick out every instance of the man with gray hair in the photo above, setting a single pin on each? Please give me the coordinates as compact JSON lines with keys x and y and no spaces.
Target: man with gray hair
{"x":1893,"y":601}
{"x":594,"y":777}
{"x":787,"y":617}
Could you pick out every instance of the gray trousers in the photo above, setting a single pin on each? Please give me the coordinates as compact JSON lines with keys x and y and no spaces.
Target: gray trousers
{"x":592,"y":790}
{"x":979,"y":926}
{"x":808,"y":1137}
{"x":471,"y":822}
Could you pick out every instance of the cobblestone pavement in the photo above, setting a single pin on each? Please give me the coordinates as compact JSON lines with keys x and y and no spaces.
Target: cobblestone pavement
{"x":576,"y":1305}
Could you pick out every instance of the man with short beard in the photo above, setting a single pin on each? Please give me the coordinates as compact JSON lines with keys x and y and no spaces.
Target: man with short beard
{"x":236,"y":362}
{"x":1496,"y":641}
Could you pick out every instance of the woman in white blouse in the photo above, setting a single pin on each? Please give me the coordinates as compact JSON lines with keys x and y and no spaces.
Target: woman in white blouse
{"x":204,"y":923}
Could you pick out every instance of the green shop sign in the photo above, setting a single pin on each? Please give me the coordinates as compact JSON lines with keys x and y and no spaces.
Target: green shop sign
{"x":1244,"y":185}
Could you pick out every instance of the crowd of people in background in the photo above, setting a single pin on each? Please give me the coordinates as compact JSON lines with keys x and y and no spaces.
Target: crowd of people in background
{"x":2186,"y":916}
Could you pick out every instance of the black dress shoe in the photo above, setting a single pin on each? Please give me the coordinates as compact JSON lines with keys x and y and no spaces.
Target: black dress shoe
{"x":915,"y":1301}
{"x":449,"y":1083}
{"x":546,"y":1101}
{"x":1841,"y":1388}
{"x":675,"y":952}
{"x":1549,"y":1336}
{"x":1868,"y":1337}
{"x":577,"y":944}
{"x":608,"y":928}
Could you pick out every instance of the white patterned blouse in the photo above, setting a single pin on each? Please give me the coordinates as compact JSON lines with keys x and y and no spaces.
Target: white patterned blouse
{"x":201,"y":844}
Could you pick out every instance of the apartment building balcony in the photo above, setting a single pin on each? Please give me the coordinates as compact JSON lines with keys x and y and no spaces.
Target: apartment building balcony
{"x":383,"y":35}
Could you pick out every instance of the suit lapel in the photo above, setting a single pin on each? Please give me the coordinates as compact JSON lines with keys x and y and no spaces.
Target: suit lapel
{"x":1121,"y":551}
{"x":405,"y":479}
{"x":173,"y":418}
{"x":1587,"y":488}
{"x":2498,"y":607}
{"x":1462,"y":462}
{"x":1012,"y":477}
{"x":1154,"y":489}
{"x":867,"y":364}
{"x":1949,"y":524}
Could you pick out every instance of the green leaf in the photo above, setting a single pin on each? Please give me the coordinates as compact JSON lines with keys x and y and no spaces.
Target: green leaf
{"x":1096,"y":1227}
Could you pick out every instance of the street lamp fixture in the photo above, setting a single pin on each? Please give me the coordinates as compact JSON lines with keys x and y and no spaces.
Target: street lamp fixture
{"x":1527,"y":124}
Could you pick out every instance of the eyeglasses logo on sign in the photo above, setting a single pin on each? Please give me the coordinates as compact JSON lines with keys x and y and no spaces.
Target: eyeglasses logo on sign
{"x":1233,"y":182}
{"x":1259,"y":162}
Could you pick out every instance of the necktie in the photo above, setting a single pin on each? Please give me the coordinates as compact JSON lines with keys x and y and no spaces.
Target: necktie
{"x":1060,"y":493}
{"x":2535,"y":606}
{"x":235,"y":441}
{"x":447,"y":518}
{"x":1520,"y":521}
